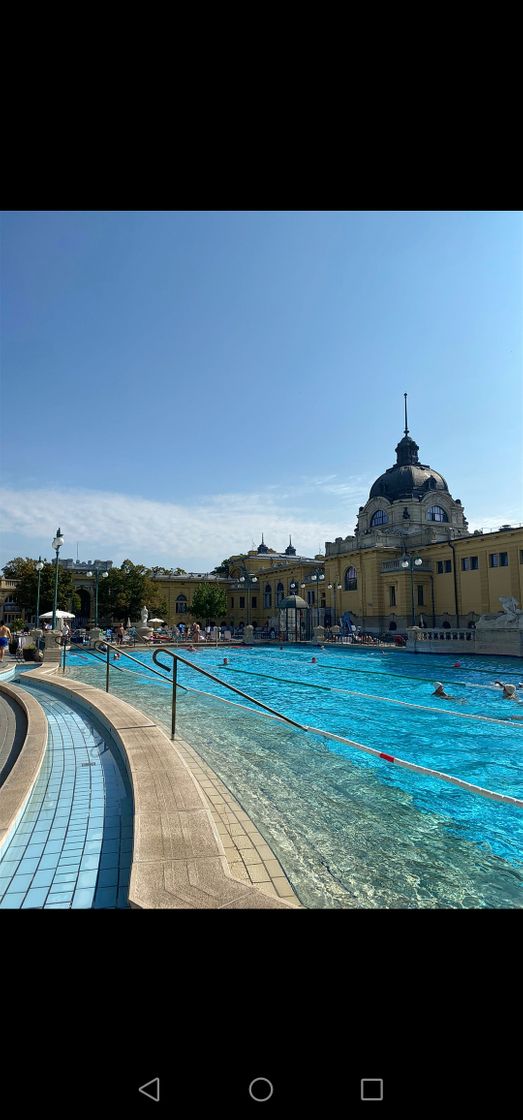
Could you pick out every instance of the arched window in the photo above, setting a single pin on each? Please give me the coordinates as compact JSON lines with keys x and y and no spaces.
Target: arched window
{"x":436,"y":513}
{"x":392,"y":626}
{"x":351,"y":579}
{"x":181,"y":604}
{"x":280,"y":594}
{"x":378,"y":518}
{"x":267,"y":599}
{"x":446,"y":625}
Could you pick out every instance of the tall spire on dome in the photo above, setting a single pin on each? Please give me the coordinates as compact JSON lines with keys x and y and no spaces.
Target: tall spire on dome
{"x":407,"y":449}
{"x":290,"y":551}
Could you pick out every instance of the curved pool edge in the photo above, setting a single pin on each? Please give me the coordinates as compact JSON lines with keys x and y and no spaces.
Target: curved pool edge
{"x":179,"y":859}
{"x":17,"y":788}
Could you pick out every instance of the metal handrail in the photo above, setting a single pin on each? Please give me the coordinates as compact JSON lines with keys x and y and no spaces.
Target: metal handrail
{"x":176,"y":657}
{"x":302,"y":727}
{"x":106,"y":647}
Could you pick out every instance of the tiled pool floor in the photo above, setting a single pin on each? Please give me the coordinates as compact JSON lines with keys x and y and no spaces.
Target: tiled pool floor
{"x":73,"y":845}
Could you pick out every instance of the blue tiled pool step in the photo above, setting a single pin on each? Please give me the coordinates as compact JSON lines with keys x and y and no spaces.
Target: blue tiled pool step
{"x":72,"y":848}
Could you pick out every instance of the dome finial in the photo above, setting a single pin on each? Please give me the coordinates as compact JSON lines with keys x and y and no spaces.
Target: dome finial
{"x":406,"y":428}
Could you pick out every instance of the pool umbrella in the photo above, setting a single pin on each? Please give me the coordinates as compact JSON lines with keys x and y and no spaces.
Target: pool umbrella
{"x":59,"y":614}
{"x":157,"y":620}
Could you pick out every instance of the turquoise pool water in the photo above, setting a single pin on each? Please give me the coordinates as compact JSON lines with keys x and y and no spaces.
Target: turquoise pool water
{"x":350,"y":829}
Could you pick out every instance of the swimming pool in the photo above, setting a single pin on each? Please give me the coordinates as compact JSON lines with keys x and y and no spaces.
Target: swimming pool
{"x":348,"y":828}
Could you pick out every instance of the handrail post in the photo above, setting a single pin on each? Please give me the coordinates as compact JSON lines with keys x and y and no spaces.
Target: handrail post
{"x":63,"y":663}
{"x":107,"y":669}
{"x":173,"y":711}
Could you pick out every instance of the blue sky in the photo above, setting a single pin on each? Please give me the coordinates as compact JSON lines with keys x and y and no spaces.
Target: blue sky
{"x":175,"y":383}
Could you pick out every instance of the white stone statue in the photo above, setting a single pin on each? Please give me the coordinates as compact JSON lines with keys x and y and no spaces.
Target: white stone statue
{"x":509,"y":605}
{"x":145,"y":615}
{"x":509,"y":618}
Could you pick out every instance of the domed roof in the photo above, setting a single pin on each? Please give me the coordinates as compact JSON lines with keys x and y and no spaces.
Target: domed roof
{"x":408,"y":478}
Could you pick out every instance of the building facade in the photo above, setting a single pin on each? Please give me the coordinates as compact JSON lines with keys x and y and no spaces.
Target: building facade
{"x":412,"y":559}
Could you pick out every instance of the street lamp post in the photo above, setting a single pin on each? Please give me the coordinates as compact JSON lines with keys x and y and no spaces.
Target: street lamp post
{"x":412,"y":562}
{"x":317,"y":577}
{"x":57,"y":544}
{"x":97,"y":573}
{"x":39,"y":565}
{"x":334,"y":587}
{"x":248,"y":580}
{"x":293,"y":587}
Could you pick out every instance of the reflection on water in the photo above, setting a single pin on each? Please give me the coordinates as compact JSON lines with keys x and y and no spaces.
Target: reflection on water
{"x":348,"y":830}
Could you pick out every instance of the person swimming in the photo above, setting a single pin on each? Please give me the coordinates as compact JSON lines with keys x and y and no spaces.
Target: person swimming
{"x":314,"y":661}
{"x":509,"y":691}
{"x":440,"y":691}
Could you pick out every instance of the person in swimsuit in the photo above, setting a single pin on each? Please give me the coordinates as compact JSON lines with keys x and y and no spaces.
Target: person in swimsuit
{"x":5,"y":638}
{"x":509,"y":691}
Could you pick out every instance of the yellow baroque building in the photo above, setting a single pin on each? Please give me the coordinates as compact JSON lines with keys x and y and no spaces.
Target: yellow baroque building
{"x":412,"y":559}
{"x":258,"y":580}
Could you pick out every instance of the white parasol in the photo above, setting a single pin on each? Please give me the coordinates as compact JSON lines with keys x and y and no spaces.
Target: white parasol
{"x":58,"y":614}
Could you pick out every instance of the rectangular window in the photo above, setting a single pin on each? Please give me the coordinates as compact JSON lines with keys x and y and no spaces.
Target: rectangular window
{"x":498,"y":559}
{"x":440,"y":567}
{"x":474,"y":563}
{"x":521,"y":555}
{"x":465,"y":564}
{"x":254,"y":600}
{"x":448,"y":565}
{"x":392,"y":596}
{"x":420,"y":594}
{"x":232,"y":602}
{"x":242,"y":602}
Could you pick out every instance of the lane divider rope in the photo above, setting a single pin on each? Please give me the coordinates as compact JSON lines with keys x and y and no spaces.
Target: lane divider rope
{"x":371,"y":696}
{"x":382,"y":755}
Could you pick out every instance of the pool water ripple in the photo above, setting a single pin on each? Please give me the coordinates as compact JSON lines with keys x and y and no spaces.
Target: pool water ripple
{"x":348,"y":829}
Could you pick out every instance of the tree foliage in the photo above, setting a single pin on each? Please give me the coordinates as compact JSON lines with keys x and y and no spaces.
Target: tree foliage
{"x":209,"y":603}
{"x":24,"y":571}
{"x":125,"y":591}
{"x":224,"y":569}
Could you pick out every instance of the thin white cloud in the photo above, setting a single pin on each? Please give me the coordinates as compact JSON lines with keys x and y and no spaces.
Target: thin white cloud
{"x":194,"y":535}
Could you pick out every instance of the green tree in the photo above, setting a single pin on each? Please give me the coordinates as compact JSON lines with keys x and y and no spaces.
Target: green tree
{"x":125,"y":591}
{"x":24,"y":572}
{"x":224,"y":569}
{"x":209,"y":603}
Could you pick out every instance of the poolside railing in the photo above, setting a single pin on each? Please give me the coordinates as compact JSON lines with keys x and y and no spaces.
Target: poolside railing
{"x":469,"y":787}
